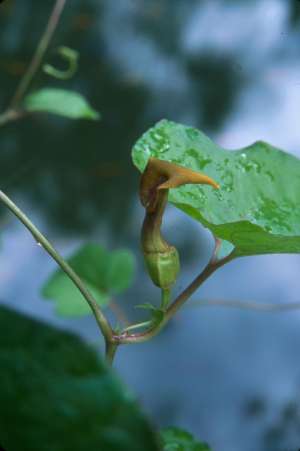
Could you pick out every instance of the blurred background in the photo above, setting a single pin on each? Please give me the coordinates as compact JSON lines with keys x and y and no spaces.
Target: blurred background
{"x":230,"y":68}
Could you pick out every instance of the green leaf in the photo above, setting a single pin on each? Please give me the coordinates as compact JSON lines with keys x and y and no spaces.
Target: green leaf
{"x":257,"y":206}
{"x":121,"y":271}
{"x":103,"y":273}
{"x":68,"y":299}
{"x":175,"y":439}
{"x":59,"y":396}
{"x":59,"y":101}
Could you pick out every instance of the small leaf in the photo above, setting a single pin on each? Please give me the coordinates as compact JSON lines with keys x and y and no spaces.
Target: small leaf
{"x":256,"y":208}
{"x":100,"y":272}
{"x":59,"y":101}
{"x":120,"y":271}
{"x":175,"y":439}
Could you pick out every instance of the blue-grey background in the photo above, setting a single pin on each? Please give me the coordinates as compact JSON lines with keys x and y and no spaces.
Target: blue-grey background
{"x":230,"y":68}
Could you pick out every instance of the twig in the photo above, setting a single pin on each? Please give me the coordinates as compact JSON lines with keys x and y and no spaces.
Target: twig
{"x":12,"y":113}
{"x":110,"y":351}
{"x":41,"y":240}
{"x":247,"y":305}
{"x":39,"y":53}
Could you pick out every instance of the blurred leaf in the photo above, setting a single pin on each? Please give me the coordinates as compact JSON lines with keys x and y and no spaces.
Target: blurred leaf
{"x":175,"y":439}
{"x":71,"y":56}
{"x":120,"y":271}
{"x":102,"y":272}
{"x":256,"y":208}
{"x":59,"y":101}
{"x":68,"y":299}
{"x":59,"y":396}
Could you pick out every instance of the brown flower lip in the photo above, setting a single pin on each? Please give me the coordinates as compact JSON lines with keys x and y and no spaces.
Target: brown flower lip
{"x":161,"y":175}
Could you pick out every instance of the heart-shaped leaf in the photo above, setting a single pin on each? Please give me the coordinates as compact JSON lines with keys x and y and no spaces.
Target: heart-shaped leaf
{"x":60,"y":101}
{"x":257,"y":206}
{"x":103,"y":273}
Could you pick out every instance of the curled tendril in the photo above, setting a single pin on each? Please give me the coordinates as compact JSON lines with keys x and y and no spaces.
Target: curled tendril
{"x":71,"y":57}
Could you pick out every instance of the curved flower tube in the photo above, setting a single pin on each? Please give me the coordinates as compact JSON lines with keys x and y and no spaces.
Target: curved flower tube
{"x":162,"y":259}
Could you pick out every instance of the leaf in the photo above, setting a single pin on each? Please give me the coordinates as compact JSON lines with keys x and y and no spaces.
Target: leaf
{"x":103,"y":273}
{"x":59,"y":396}
{"x":121,"y":271}
{"x":175,"y":439}
{"x":68,"y":299}
{"x":257,"y":206}
{"x":70,"y":104}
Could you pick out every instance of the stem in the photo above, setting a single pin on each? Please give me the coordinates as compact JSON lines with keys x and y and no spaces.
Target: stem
{"x":137,"y":326}
{"x":187,"y":293}
{"x":39,"y":53}
{"x":211,"y":267}
{"x":100,"y":318}
{"x":165,"y":298}
{"x":110,"y":351}
{"x":10,"y":115}
{"x":248,"y":305}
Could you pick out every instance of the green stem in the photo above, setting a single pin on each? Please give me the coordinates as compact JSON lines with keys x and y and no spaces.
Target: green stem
{"x":39,"y":53}
{"x":197,"y":282}
{"x":141,"y":337}
{"x":247,"y":305}
{"x":110,"y":351}
{"x":165,"y":298}
{"x":40,"y":239}
{"x":10,"y":115}
{"x":137,"y":326}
